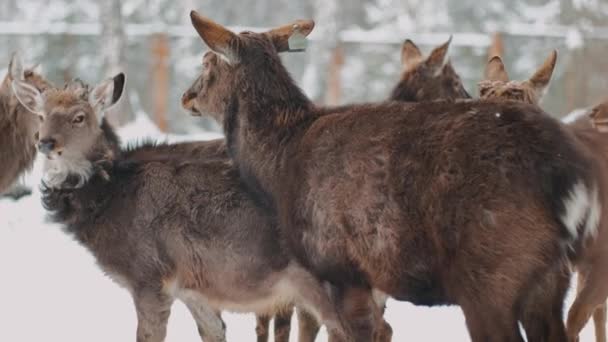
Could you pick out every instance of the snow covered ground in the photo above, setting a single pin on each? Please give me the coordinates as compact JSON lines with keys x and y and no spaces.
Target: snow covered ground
{"x":52,"y":290}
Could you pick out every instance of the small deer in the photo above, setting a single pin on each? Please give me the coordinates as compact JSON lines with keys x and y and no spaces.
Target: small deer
{"x":18,"y":127}
{"x":165,"y":227}
{"x":427,"y":79}
{"x":425,"y":205}
{"x":591,"y":131}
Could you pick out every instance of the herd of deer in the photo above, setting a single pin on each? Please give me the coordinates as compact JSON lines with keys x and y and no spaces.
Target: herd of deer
{"x":429,"y":197}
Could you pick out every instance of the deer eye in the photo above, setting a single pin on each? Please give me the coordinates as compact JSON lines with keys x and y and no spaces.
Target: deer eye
{"x":78,"y":119}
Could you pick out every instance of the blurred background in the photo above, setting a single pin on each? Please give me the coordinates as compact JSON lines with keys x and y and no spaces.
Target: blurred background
{"x":353,"y":55}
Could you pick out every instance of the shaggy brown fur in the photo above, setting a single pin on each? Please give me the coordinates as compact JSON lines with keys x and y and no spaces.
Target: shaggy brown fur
{"x":427,"y":204}
{"x":592,"y":289}
{"x":540,"y":301}
{"x":427,"y":79}
{"x":169,"y":222}
{"x":17,"y":129}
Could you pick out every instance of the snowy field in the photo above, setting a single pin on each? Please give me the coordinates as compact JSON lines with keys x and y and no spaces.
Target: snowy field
{"x":52,"y":290}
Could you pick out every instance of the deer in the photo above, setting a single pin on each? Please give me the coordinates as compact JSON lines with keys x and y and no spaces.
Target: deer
{"x":17,"y":128}
{"x":165,"y":228}
{"x":448,"y":84}
{"x":370,"y":204}
{"x":590,"y":130}
{"x":427,"y":78}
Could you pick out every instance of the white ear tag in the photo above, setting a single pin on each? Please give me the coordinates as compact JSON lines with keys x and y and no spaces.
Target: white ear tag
{"x":297,"y":42}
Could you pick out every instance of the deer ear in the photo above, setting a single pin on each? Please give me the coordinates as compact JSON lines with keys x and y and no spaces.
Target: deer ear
{"x":291,"y":37}
{"x":410,"y":55}
{"x":106,"y":94}
{"x":218,"y":38}
{"x":542,"y":76}
{"x":15,"y":67}
{"x":437,"y":58}
{"x":495,"y":70}
{"x":28,"y":96}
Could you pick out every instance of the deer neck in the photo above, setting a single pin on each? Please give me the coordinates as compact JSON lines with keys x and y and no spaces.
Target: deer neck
{"x":261,"y":122}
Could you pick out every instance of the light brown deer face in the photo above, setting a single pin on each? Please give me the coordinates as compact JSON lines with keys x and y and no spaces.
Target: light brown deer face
{"x":71,"y":122}
{"x":599,"y":117}
{"x":223,"y":65}
{"x":496,"y":83}
{"x":427,"y":79}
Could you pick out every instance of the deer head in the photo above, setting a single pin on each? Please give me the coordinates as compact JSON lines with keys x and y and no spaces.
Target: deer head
{"x":599,"y":117}
{"x":427,"y":79}
{"x":496,"y":83}
{"x":71,"y":121}
{"x":28,"y":76}
{"x":227,"y":67}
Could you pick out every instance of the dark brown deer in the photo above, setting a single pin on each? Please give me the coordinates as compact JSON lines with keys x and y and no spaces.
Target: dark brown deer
{"x":427,"y":79}
{"x":308,"y":326}
{"x":592,"y":289}
{"x":17,"y":129}
{"x":534,"y":313}
{"x":466,"y":203}
{"x":165,"y":228}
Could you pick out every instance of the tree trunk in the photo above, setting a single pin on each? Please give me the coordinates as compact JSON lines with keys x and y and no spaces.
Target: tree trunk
{"x":113,"y":48}
{"x":160,"y":76}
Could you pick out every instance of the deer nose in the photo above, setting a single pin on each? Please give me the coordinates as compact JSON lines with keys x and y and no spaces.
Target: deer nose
{"x":46,"y":145}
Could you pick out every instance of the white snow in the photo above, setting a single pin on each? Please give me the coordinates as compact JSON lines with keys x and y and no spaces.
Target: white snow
{"x":575,"y":115}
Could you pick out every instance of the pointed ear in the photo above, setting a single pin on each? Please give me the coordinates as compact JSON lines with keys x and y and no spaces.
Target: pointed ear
{"x":436,"y":60}
{"x":218,"y":38}
{"x":106,"y":94}
{"x":291,"y":37}
{"x":542,"y":76}
{"x":410,"y":55}
{"x":37,"y":69}
{"x":495,"y":70}
{"x":28,"y":96}
{"x":15,"y":67}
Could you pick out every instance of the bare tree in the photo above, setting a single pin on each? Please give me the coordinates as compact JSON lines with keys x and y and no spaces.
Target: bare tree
{"x":113,"y":48}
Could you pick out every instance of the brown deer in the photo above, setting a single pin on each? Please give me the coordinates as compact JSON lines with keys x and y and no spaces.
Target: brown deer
{"x":427,"y":79}
{"x":165,"y":228}
{"x":592,"y":289}
{"x":308,"y":326}
{"x":532,"y":315}
{"x":468,"y":203}
{"x":17,"y":129}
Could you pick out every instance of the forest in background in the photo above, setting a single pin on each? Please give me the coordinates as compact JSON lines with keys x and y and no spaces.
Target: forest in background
{"x":353,"y":54}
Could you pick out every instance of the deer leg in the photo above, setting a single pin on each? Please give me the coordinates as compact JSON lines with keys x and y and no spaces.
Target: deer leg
{"x":211,"y":327}
{"x":592,"y":292}
{"x":599,"y":321}
{"x":310,"y":295}
{"x":308,"y":326}
{"x":543,"y":307}
{"x":384,"y":332}
{"x":282,"y":324}
{"x":153,"y":310}
{"x":359,"y":310}
{"x":262,"y":322}
{"x":489,"y":323}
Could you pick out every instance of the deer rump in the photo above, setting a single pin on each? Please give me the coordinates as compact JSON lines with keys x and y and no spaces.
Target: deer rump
{"x":453,"y":199}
